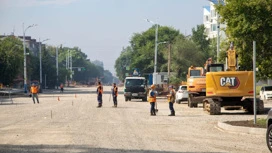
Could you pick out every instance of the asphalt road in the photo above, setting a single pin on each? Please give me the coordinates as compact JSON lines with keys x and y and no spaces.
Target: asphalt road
{"x":74,"y":124}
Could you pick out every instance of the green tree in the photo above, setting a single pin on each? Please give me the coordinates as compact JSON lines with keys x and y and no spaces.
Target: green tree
{"x":247,"y":21}
{"x":122,"y":62}
{"x":11,"y":59}
{"x":185,"y":53}
{"x":143,"y":45}
{"x":49,"y":67}
{"x":201,"y":39}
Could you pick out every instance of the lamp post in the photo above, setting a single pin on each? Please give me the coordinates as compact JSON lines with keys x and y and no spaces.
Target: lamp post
{"x":156,"y":49}
{"x":40,"y":47}
{"x":57,"y":64}
{"x":169,"y":50}
{"x":25,"y":76}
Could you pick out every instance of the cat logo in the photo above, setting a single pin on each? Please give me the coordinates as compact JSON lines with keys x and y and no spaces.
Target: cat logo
{"x":231,"y":82}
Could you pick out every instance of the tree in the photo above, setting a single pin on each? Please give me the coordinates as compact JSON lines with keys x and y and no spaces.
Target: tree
{"x":247,"y":21}
{"x":49,"y":67}
{"x":11,"y":59}
{"x":185,"y":53}
{"x":123,"y":62}
{"x":143,"y":48}
{"x":98,"y":63}
{"x":201,"y":39}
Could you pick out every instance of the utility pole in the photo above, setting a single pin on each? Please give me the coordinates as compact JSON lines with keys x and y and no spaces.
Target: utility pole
{"x":57,"y":66}
{"x":169,"y":61}
{"x":71,"y":66}
{"x":25,"y":73}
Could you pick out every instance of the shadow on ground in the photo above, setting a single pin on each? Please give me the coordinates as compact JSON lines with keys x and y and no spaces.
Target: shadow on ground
{"x":69,"y":148}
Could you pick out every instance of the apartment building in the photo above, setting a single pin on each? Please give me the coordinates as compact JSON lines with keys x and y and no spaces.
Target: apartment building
{"x":210,"y":20}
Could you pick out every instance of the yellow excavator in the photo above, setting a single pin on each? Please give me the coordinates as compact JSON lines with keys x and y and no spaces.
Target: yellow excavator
{"x":196,"y":84}
{"x":230,"y":88}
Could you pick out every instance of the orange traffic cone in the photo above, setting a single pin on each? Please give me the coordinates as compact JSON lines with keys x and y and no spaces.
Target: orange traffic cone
{"x":58,"y":98}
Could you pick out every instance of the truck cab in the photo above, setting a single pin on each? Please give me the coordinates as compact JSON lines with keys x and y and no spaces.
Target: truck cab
{"x":135,"y":88}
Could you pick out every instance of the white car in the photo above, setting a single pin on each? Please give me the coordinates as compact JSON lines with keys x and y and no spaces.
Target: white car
{"x":181,"y":94}
{"x":266,"y":93}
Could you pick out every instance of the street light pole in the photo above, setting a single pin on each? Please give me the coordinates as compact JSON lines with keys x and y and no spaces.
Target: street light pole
{"x":25,"y":75}
{"x":218,"y":39}
{"x":41,"y":60}
{"x":156,"y":51}
{"x":57,"y":64}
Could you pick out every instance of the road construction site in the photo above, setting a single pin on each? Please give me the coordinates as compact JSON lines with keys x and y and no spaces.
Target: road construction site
{"x":70,"y":122}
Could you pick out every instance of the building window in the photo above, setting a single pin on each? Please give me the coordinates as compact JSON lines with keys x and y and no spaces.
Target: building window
{"x":212,"y":13}
{"x":213,"y":27}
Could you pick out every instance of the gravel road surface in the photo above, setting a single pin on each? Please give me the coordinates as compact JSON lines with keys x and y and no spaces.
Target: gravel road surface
{"x":74,"y":124}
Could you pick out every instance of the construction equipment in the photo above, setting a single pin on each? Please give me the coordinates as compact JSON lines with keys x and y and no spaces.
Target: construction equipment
{"x":229,"y":88}
{"x":196,"y":85}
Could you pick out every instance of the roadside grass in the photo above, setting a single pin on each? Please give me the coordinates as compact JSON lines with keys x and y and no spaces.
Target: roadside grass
{"x":260,"y":123}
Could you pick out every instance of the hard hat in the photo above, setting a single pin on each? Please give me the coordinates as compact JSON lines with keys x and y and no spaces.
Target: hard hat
{"x":170,"y":86}
{"x":152,"y":86}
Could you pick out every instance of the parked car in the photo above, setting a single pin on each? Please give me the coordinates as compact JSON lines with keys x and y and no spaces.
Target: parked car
{"x":269,"y":130}
{"x":266,"y":93}
{"x":182,"y":93}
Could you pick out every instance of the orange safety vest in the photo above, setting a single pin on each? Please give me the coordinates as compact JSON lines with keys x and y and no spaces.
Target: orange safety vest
{"x":34,"y":89}
{"x":115,"y":91}
{"x":99,"y":89}
{"x":171,"y":97}
{"x":151,"y":99}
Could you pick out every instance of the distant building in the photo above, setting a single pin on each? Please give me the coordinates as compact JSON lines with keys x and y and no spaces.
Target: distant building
{"x":31,"y":44}
{"x":210,"y":17}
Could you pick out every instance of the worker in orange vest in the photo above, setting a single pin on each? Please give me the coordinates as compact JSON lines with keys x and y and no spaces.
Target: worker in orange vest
{"x":114,"y":94}
{"x":171,"y":97}
{"x":34,"y":91}
{"x":99,"y":92}
{"x":152,"y":100}
{"x":61,"y":87}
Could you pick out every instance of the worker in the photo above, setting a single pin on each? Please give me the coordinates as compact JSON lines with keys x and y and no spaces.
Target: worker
{"x":114,"y":94}
{"x":61,"y":88}
{"x":171,"y":97}
{"x":34,"y":91}
{"x":152,"y":100}
{"x":99,"y":92}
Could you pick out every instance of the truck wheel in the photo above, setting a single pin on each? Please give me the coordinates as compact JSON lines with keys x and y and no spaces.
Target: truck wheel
{"x":215,"y":107}
{"x":259,"y":106}
{"x":249,"y":106}
{"x":269,"y":137}
{"x":126,"y":99}
{"x":144,"y":99}
{"x":190,"y":104}
{"x":195,"y":105}
{"x":204,"y":105}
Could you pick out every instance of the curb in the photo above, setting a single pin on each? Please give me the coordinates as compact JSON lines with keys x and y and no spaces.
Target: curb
{"x":241,"y":129}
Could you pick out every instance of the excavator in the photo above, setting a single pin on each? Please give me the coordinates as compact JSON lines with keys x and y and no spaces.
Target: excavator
{"x":230,"y":88}
{"x":196,"y":84}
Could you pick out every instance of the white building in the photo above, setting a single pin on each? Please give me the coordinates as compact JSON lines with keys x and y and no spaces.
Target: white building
{"x":210,"y":18}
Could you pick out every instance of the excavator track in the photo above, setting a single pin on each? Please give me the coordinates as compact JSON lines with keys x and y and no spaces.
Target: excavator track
{"x":213,"y":106}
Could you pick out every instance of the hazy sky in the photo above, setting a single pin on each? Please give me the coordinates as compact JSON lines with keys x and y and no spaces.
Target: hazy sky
{"x":99,"y":27}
